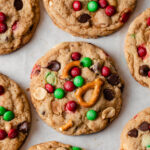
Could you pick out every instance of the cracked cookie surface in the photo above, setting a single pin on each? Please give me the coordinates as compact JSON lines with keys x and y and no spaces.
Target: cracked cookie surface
{"x":88,"y":18}
{"x":14,"y":115}
{"x":76,"y":89}
{"x":53,"y":146}
{"x":137,"y":48}
{"x":18,"y":21}
{"x":136,"y":133}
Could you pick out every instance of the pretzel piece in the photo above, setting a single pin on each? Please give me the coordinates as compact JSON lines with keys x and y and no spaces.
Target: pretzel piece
{"x":68,"y":125}
{"x":67,"y":68}
{"x":96,"y":84}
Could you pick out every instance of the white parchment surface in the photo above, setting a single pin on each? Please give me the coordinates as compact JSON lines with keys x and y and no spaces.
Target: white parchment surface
{"x":18,"y":66}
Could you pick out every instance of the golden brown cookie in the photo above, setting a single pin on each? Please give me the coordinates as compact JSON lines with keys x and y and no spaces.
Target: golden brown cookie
{"x":14,"y":115}
{"x":53,"y":146}
{"x":18,"y":21}
{"x":76,"y":89}
{"x":137,"y":48}
{"x":136,"y":133}
{"x":89,"y":18}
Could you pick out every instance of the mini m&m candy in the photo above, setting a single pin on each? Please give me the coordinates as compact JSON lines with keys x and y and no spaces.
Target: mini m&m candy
{"x":91,"y":115}
{"x":59,"y":93}
{"x":2,"y":111}
{"x":76,"y":148}
{"x":92,"y":6}
{"x":86,"y":62}
{"x":78,"y":81}
{"x":77,"y":5}
{"x":8,"y":116}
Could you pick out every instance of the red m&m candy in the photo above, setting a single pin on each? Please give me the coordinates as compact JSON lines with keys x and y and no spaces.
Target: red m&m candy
{"x":125,"y":17}
{"x":103,"y":3}
{"x":75,"y":71}
{"x":148,"y":21}
{"x":105,"y":71}
{"x":77,"y":5}
{"x":71,"y":106}
{"x":3,"y":134}
{"x":3,"y":27}
{"x":49,"y":88}
{"x":69,"y":86}
{"x":2,"y":17}
{"x":110,"y":10}
{"x":142,"y":51}
{"x":76,"y":56}
{"x":13,"y":133}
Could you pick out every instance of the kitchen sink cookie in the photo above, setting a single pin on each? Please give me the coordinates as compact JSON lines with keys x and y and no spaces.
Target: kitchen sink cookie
{"x":54,"y":146}
{"x":89,"y":18}
{"x":76,"y":89}
{"x":136,"y":134}
{"x":137,"y":48}
{"x":18,"y":21}
{"x":14,"y":115}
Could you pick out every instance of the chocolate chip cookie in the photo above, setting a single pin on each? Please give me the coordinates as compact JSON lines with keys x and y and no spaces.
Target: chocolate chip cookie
{"x":90,"y":18}
{"x":136,"y":134}
{"x":76,"y":89}
{"x":14,"y":113}
{"x":18,"y":21}
{"x":54,"y":146}
{"x":137,"y":48}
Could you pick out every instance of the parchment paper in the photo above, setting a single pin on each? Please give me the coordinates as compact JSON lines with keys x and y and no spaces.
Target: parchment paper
{"x":18,"y":66}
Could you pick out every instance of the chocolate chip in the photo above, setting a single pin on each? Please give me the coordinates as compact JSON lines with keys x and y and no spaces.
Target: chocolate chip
{"x":144,"y":126}
{"x":18,"y":4}
{"x":143,"y":71}
{"x":54,"y":65}
{"x":84,"y":18}
{"x":109,"y":94}
{"x":31,"y":27}
{"x":23,"y":127}
{"x":113,"y":79}
{"x":133,"y":133}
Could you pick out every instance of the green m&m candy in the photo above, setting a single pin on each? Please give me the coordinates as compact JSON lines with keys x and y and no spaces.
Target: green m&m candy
{"x":86,"y":62}
{"x":78,"y":81}
{"x":92,"y":6}
{"x":76,"y":148}
{"x":2,"y":110}
{"x":8,"y":116}
{"x":91,"y":115}
{"x":148,"y":146}
{"x":59,"y":93}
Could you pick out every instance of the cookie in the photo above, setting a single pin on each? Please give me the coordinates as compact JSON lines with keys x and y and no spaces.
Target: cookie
{"x":14,"y":114}
{"x":18,"y":21}
{"x":137,"y":48}
{"x":53,"y":146}
{"x":76,"y":89}
{"x":88,"y":18}
{"x":136,"y":133}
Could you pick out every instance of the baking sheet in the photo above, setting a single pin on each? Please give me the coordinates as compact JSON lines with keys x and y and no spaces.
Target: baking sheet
{"x":18,"y":66}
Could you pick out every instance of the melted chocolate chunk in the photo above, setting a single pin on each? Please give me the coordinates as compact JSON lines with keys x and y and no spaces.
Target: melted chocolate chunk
{"x":54,"y":65}
{"x":84,"y":18}
{"x":133,"y":133}
{"x":109,"y":94}
{"x":143,"y":71}
{"x":18,"y":4}
{"x":144,"y":126}
{"x":23,"y":127}
{"x":113,"y":79}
